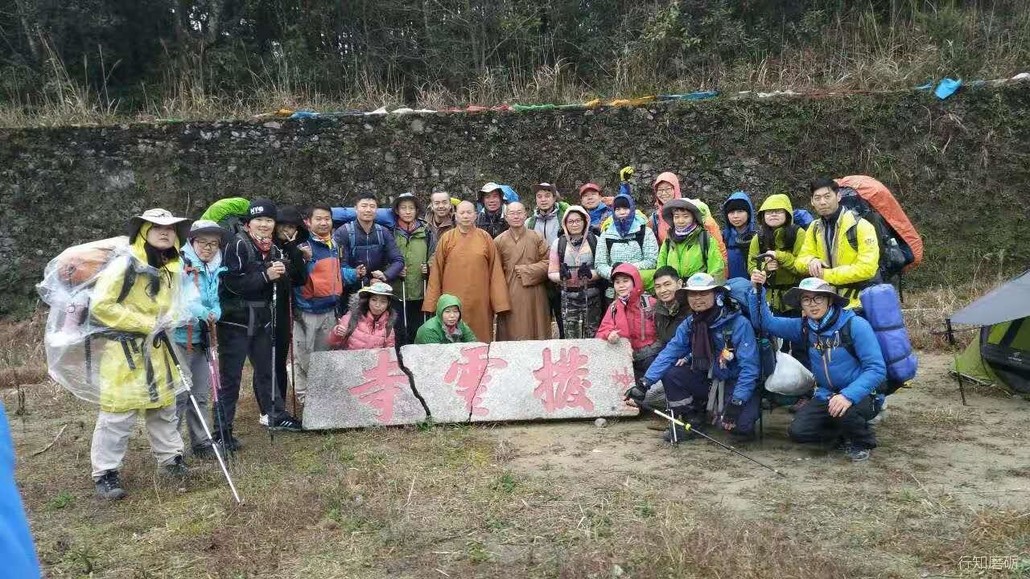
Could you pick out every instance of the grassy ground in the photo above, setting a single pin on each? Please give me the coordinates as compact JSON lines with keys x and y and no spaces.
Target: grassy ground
{"x":949,"y":483}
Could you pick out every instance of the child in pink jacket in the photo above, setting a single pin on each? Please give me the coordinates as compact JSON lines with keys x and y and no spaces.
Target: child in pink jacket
{"x":368,"y":322}
{"x":631,"y":316}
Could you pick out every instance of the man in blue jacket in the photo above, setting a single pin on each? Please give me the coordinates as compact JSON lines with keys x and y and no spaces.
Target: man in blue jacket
{"x":845,"y":358}
{"x":717,"y":345}
{"x":368,"y":251}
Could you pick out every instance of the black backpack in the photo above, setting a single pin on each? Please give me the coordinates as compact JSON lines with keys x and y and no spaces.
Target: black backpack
{"x":895,"y":254}
{"x":563,"y":244}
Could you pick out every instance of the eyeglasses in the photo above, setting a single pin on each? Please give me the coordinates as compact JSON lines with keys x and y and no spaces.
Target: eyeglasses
{"x":665,"y":189}
{"x":813,"y":300}
{"x":207,"y":245}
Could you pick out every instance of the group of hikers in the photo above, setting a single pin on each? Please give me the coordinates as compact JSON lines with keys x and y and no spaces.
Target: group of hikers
{"x":284,"y":282}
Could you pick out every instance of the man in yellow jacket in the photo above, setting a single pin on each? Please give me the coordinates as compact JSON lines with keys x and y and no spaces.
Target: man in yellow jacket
{"x":839,"y":247}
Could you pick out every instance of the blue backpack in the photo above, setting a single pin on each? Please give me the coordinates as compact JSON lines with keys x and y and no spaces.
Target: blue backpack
{"x":739,"y":288}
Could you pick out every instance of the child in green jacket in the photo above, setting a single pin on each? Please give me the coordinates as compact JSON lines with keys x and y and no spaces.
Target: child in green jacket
{"x":446,"y":326}
{"x":688,"y":247}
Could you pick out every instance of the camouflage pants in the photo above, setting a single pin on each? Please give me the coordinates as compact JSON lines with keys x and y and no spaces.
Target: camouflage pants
{"x":580,"y":315}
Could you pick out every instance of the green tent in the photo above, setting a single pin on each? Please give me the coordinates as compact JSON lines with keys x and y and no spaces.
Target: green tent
{"x":1001,"y":352}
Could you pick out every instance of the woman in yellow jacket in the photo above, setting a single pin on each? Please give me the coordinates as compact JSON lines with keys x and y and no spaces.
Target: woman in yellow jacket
{"x":774,"y":249}
{"x":135,"y":300}
{"x":850,"y":261}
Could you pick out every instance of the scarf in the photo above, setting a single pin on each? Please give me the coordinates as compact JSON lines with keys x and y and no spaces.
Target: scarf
{"x":679,"y":235}
{"x":264,"y":245}
{"x":826,"y":323}
{"x":452,"y":332}
{"x":623,"y":225}
{"x":700,"y":341}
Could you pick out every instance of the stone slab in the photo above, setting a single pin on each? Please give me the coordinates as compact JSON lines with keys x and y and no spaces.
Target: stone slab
{"x":525,"y":380}
{"x":447,"y":377}
{"x":359,"y":388}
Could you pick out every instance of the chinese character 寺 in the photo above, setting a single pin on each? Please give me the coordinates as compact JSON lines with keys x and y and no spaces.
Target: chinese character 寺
{"x":563,"y":383}
{"x":382,"y":383}
{"x":470,"y":375}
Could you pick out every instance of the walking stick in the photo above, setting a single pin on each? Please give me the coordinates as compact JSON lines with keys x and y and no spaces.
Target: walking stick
{"x":188,"y":383}
{"x":293,"y":368}
{"x":216,"y":378}
{"x":275,"y":385}
{"x":404,"y":306}
{"x":686,"y":426}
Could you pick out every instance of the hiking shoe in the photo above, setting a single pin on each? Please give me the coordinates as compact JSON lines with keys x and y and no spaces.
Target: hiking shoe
{"x":109,"y":486}
{"x":204,"y":451}
{"x":681,"y":434}
{"x":857,"y":454}
{"x":286,"y":422}
{"x":176,"y":468}
{"x":263,"y":420}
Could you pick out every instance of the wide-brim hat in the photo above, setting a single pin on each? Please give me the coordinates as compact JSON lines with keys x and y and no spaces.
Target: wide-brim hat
{"x":379,"y":289}
{"x":409,"y":196}
{"x":673,"y":204}
{"x":813,"y":285}
{"x":158,"y":216}
{"x":702,"y":282}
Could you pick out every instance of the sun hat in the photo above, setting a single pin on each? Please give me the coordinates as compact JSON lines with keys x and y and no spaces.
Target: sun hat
{"x":813,"y":285}
{"x":159,"y":216}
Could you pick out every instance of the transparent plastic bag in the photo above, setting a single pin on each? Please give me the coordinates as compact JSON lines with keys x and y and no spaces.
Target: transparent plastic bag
{"x":790,"y":378}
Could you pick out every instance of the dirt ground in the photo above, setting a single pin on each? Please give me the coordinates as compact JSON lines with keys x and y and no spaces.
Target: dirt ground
{"x":947,"y":494}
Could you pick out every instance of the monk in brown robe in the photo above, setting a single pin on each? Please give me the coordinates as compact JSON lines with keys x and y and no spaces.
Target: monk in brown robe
{"x":524,"y":255}
{"x":466,"y":264}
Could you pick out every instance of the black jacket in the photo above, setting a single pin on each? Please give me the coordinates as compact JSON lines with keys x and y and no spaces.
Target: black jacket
{"x":666,"y":322}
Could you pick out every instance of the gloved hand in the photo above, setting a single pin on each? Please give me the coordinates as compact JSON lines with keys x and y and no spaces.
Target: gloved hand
{"x":626,"y":173}
{"x":731,"y":414}
{"x":585,"y":272}
{"x":564,"y":272}
{"x":637,"y":393}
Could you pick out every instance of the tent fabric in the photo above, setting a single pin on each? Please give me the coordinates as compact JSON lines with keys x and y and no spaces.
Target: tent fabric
{"x":1008,"y":302}
{"x":882,"y":200}
{"x":1000,"y":354}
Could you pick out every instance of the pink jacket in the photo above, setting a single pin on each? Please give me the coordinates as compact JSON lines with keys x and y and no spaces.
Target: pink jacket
{"x":635,"y":319}
{"x":365,"y":332}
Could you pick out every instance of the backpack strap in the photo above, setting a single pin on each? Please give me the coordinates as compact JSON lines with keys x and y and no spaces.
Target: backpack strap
{"x":128,"y":280}
{"x":592,"y":240}
{"x":705,"y":243}
{"x":563,"y":245}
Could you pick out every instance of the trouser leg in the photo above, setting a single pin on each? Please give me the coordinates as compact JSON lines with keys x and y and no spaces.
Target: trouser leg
{"x":165,"y":440}
{"x":811,"y":422}
{"x":260,"y":354}
{"x":854,"y":427}
{"x":283,"y":336}
{"x":197,"y":360}
{"x":685,"y":389}
{"x":110,"y":441}
{"x":233,"y":346}
{"x":554,"y":304}
{"x":310,"y":334}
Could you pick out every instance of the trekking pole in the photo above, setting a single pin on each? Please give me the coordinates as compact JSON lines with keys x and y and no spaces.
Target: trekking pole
{"x":188,"y":383}
{"x":689,"y":428}
{"x":293,"y":367}
{"x":425,"y":289}
{"x":404,"y":306}
{"x":275,"y":362}
{"x":216,"y":378}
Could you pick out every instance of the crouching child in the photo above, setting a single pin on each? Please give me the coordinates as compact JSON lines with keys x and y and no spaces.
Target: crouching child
{"x":446,"y":327}
{"x":369,"y":322}
{"x":846,"y":360}
{"x":710,"y":368}
{"x":631,"y":316}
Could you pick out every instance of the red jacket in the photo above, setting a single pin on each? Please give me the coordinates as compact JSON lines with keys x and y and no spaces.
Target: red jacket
{"x":635,"y":319}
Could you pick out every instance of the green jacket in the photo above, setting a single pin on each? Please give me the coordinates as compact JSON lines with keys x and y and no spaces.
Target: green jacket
{"x":686,"y":256}
{"x":785,"y":277}
{"x":432,"y":331}
{"x":416,"y":247}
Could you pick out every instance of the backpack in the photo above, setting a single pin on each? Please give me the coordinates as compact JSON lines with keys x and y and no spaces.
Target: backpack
{"x":802,"y":218}
{"x":638,"y":237}
{"x":901,"y":247}
{"x":352,"y":236}
{"x":739,"y":288}
{"x":882,"y":309}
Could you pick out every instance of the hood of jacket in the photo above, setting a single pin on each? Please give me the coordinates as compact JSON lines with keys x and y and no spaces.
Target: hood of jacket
{"x":671,"y":179}
{"x":138,"y":250}
{"x":740,"y":196}
{"x":699,"y":218}
{"x":777,"y":201}
{"x":578,"y":209}
{"x":635,"y":220}
{"x":446,"y":301}
{"x":638,"y":284}
{"x":189,"y":254}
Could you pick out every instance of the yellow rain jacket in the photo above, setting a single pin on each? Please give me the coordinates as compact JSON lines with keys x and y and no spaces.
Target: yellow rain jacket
{"x":784,"y":277}
{"x":850,"y":269}
{"x":135,"y":373}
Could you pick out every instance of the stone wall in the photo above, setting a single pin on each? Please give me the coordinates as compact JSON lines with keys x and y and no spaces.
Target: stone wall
{"x":960,"y":167}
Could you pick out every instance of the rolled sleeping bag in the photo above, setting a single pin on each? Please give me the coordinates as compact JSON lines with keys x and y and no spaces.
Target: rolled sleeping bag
{"x":882,"y":309}
{"x":384,"y":216}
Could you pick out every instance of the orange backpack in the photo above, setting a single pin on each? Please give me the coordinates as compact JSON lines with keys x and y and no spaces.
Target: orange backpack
{"x":876,"y":203}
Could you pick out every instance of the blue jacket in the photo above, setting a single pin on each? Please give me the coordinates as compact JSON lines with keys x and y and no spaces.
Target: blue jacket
{"x":598,"y":215}
{"x":200,"y":290}
{"x":836,"y":370}
{"x":738,"y":243}
{"x":742,"y":371}
{"x":324,"y":284}
{"x":16,"y":549}
{"x":376,"y":250}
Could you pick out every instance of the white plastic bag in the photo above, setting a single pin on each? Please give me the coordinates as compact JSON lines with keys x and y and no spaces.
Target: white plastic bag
{"x":790,"y":378}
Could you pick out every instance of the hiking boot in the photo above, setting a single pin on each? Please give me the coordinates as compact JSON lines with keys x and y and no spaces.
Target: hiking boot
{"x":176,"y":468}
{"x":109,"y":486}
{"x":857,"y":454}
{"x":204,"y":451}
{"x":230,"y":444}
{"x":286,"y":422}
{"x":681,"y":434}
{"x":657,"y":423}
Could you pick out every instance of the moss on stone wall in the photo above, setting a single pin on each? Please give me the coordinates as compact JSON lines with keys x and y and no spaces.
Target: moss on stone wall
{"x":960,"y":167}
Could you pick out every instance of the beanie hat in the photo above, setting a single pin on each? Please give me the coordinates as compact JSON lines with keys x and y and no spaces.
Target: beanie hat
{"x":736,"y":205}
{"x":261,"y":208}
{"x":288,"y":215}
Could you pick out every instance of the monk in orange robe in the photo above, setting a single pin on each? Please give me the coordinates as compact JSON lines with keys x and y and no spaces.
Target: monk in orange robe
{"x":466,"y":264}
{"x":524,"y":256}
